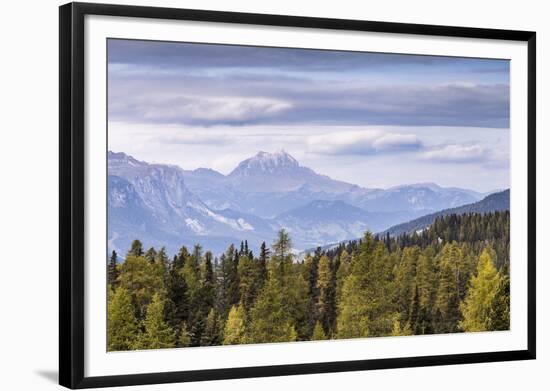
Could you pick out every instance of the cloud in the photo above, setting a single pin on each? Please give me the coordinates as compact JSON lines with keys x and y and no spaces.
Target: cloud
{"x":207,"y":84}
{"x":196,"y":109}
{"x":363,"y":143}
{"x":172,"y":55}
{"x":457,"y":153}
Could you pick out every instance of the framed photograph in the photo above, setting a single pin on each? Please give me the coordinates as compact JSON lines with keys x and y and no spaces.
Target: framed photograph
{"x":247,"y":195}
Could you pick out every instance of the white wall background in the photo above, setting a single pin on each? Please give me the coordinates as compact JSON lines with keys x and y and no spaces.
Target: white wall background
{"x":28,"y":194}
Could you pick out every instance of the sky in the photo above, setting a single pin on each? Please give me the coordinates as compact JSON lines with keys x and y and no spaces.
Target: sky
{"x":374,"y":119}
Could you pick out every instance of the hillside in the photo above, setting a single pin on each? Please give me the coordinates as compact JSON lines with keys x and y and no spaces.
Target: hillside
{"x":492,"y":203}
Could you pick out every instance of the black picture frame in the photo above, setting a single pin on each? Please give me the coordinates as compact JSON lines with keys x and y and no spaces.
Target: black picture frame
{"x":71,"y":190}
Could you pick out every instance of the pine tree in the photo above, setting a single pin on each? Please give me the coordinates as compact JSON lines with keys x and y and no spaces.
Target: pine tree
{"x":112,"y":270}
{"x":122,"y":326}
{"x":235,"y":331}
{"x":476,"y":308}
{"x":157,"y":333}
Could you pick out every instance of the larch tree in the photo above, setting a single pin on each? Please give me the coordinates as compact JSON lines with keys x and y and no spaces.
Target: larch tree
{"x":318,"y":333}
{"x":235,"y":327}
{"x":122,"y":325}
{"x":141,"y":279}
{"x":353,"y":311}
{"x":157,"y":334}
{"x":476,"y":308}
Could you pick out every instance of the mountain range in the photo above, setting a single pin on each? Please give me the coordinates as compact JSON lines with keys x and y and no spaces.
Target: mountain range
{"x":165,"y":205}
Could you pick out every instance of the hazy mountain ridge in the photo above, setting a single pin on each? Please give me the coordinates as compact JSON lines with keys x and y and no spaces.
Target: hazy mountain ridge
{"x":492,"y":203}
{"x":167,"y":205}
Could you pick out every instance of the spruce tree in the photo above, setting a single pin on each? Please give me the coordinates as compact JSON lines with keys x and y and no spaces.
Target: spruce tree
{"x":326,"y":304}
{"x":112,"y":270}
{"x":212,"y":335}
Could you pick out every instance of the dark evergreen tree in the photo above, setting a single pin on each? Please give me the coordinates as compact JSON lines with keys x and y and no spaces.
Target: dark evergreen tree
{"x":136,"y":249}
{"x":112,"y":270}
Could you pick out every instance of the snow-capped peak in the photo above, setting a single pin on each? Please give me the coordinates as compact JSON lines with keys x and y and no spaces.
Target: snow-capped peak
{"x":263,"y":162}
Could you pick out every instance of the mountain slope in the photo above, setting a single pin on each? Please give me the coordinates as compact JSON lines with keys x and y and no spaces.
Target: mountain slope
{"x":153,"y":203}
{"x":493,"y":202}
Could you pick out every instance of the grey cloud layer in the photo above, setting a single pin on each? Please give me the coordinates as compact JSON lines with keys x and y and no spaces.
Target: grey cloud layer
{"x":210,"y":101}
{"x":202,"y":84}
{"x":166,"y":55}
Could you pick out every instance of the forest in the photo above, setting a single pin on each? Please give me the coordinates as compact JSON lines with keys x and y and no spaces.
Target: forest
{"x":451,"y":277}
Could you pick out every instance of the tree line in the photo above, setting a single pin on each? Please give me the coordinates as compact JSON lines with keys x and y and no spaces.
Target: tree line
{"x":452,"y":277}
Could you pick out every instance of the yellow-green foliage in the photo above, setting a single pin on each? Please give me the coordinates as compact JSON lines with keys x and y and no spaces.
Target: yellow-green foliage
{"x":122,"y":327}
{"x":235,"y":332}
{"x":453,"y":277}
{"x":157,"y":334}
{"x":476,"y":308}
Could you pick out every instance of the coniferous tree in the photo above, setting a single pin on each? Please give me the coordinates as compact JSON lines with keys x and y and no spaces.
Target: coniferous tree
{"x":262,"y":263}
{"x":141,"y":280}
{"x":178,"y":298}
{"x":477,"y":307}
{"x":150,"y":255}
{"x":112,"y":270}
{"x":235,"y":331}
{"x":318,"y":333}
{"x":247,"y":281}
{"x":326,"y":305}
{"x":184,"y":338}
{"x":212,"y":335}
{"x":447,"y":311}
{"x":353,"y":311}
{"x":157,"y":333}
{"x":500,"y":307}
{"x":136,"y":249}
{"x":122,"y":325}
